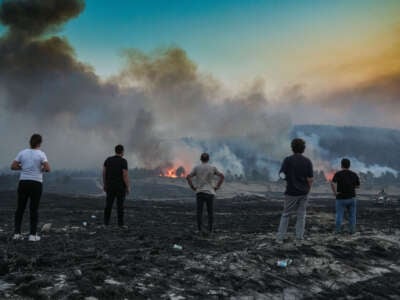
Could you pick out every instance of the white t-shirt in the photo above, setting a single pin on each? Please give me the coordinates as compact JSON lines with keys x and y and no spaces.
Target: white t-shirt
{"x":31,"y":161}
{"x":204,"y":178}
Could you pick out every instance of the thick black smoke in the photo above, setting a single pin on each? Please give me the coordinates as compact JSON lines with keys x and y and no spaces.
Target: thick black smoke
{"x":157,"y":99}
{"x":40,"y":74}
{"x":35,"y":17}
{"x":47,"y":89}
{"x":182,"y":103}
{"x":147,"y":144}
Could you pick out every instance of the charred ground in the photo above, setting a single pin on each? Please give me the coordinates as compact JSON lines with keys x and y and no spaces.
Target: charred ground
{"x":74,"y":261}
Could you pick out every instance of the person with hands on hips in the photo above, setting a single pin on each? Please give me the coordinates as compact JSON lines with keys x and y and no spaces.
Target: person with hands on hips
{"x":205,"y":188}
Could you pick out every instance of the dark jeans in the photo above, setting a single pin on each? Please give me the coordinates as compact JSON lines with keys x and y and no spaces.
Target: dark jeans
{"x":28,"y":189}
{"x":113,"y":193}
{"x":208,"y":199}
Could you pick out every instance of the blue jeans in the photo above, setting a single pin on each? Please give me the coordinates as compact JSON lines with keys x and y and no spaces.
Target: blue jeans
{"x":350,"y":205}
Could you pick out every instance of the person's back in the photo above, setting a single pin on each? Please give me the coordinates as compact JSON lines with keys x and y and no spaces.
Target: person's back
{"x":116,"y":184}
{"x":343,"y":184}
{"x":31,"y":161}
{"x":297,"y":168}
{"x":204,"y":178}
{"x":205,"y":189}
{"x":114,"y":171}
{"x":298,"y":171}
{"x":347,"y":181}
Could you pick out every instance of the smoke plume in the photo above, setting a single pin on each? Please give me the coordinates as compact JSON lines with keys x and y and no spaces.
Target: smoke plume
{"x":160,"y":106}
{"x":157,"y":99}
{"x":32,"y":18}
{"x":370,"y":150}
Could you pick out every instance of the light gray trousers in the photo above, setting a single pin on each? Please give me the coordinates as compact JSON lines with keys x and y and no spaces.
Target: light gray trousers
{"x":293,"y":205}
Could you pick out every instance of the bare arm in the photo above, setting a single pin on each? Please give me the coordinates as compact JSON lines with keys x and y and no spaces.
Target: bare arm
{"x":125,"y":176}
{"x":15,"y":165}
{"x":334,"y":188}
{"x":310,"y":181}
{"x":46,"y":166}
{"x":190,"y":182}
{"x":220,"y":181}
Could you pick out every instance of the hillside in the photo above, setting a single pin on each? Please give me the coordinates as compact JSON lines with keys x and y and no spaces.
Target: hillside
{"x":369,"y":145}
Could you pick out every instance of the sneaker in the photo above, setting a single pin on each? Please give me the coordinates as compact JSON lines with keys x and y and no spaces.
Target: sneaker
{"x":34,"y":238}
{"x":279,"y":241}
{"x":123,"y":226}
{"x":18,"y":237}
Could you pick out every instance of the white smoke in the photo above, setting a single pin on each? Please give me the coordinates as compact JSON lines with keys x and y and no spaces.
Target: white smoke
{"x":227,"y":161}
{"x":361,"y":167}
{"x":324,"y":160}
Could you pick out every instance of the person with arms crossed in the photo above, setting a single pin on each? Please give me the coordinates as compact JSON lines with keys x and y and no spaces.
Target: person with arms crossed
{"x":115,"y":184}
{"x":343,"y":185}
{"x":297,"y":170}
{"x":205,"y":189}
{"x":32,"y":162}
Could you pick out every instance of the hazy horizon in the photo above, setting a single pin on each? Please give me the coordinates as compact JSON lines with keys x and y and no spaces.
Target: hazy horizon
{"x":88,"y":77}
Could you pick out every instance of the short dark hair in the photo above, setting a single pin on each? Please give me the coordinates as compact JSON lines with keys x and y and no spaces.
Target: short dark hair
{"x":204,"y":157}
{"x":119,"y":149}
{"x":298,"y":145}
{"x":345,"y":163}
{"x":35,"y":141}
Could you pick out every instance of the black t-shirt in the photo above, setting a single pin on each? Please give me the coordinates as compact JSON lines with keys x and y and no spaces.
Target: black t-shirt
{"x":114,"y":175}
{"x":297,"y":168}
{"x":347,"y":181}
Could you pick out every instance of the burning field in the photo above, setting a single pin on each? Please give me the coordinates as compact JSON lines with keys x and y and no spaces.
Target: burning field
{"x":173,"y":172}
{"x":74,"y":261}
{"x":166,"y":109}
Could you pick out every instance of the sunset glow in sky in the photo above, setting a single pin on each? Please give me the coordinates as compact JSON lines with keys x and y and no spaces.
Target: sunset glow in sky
{"x":284,"y":42}
{"x":146,"y":72}
{"x":330,"y":60}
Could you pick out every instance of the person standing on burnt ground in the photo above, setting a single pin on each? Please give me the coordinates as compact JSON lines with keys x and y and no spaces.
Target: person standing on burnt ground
{"x":297,"y":170}
{"x":205,"y":189}
{"x":343,"y":184}
{"x":32,"y":163}
{"x":116,"y":185}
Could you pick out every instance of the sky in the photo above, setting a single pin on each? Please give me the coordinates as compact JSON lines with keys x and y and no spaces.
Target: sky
{"x":145,"y":72}
{"x":283,"y":42}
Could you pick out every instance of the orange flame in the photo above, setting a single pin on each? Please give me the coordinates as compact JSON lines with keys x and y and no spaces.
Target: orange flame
{"x":173,"y":172}
{"x":329,"y":175}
